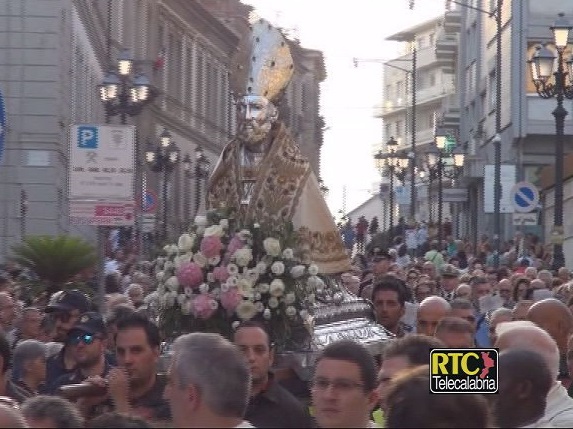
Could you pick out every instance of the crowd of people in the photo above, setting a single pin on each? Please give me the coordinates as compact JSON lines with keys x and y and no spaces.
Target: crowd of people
{"x":65,"y":364}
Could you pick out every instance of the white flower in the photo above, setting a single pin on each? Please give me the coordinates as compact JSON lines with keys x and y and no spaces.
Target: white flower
{"x":204,"y":288}
{"x":224,"y":223}
{"x":263,"y":287}
{"x":290,"y":311}
{"x":245,"y":288}
{"x":182,"y":259}
{"x":232,"y":269}
{"x":188,"y":291}
{"x":277,"y":287}
{"x":168,"y":266}
{"x":167,"y":249}
{"x":200,"y":221}
{"x":273,"y":302}
{"x":200,"y":259}
{"x":244,"y":234}
{"x":272,"y":246}
{"x":297,"y":271}
{"x":246,"y":310}
{"x":267,"y":314}
{"x":159,"y":276}
{"x":172,"y":284}
{"x":278,"y":268}
{"x":181,"y":298}
{"x":259,"y":306}
{"x":213,"y":304}
{"x":243,"y":257}
{"x":288,"y":253}
{"x":185,"y":242}
{"x":225,"y":287}
{"x":290,"y":298}
{"x":214,"y":261}
{"x":313,"y":270}
{"x":215,"y":230}
{"x":256,"y":226}
{"x":261,"y":267}
{"x":235,"y":324}
{"x":313,"y":282}
{"x":233,"y":281}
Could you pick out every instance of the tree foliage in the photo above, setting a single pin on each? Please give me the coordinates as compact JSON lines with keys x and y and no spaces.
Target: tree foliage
{"x":55,"y":260}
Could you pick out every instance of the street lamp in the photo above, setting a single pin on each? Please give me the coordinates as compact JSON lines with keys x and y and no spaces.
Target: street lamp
{"x":199,"y":173}
{"x":123,"y":94}
{"x":542,"y":67}
{"x":163,"y":158}
{"x":443,"y":162}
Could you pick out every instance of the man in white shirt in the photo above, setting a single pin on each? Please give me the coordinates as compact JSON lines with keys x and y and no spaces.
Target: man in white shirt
{"x":526,"y":335}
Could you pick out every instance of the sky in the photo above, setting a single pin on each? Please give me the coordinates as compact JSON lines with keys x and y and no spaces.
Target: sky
{"x":344,"y":30}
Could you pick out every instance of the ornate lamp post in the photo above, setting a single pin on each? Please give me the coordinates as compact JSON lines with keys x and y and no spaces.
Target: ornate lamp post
{"x":542,"y":67}
{"x":123,"y":92}
{"x":199,"y":173}
{"x":443,"y":163}
{"x":163,"y":158}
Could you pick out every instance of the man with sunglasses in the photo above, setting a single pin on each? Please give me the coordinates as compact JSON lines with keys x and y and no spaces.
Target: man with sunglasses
{"x":379,"y":261}
{"x":66,"y":311}
{"x":87,"y":343}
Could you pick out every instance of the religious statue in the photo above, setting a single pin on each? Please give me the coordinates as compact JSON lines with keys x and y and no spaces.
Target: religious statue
{"x":261,"y":173}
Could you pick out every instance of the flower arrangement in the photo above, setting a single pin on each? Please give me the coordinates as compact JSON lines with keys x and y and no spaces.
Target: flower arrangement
{"x":218,"y":275}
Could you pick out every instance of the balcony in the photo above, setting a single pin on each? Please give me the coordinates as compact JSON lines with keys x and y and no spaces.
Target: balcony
{"x":447,"y":51}
{"x":452,"y":21}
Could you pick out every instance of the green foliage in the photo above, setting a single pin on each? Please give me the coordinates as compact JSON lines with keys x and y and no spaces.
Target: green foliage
{"x":55,"y":260}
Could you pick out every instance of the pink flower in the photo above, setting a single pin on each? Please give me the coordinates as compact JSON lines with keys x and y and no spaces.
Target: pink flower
{"x":221,"y":274}
{"x":202,"y":307}
{"x":235,"y":244}
{"x":189,"y":274}
{"x":211,"y":246}
{"x":230,"y":299}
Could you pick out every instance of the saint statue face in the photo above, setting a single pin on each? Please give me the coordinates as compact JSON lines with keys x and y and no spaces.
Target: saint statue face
{"x":256,"y":115}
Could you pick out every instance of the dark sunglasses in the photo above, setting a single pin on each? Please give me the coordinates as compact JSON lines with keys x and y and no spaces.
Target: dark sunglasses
{"x":87,"y":339}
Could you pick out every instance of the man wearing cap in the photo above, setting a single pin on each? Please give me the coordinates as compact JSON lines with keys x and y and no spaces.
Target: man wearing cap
{"x":87,"y":342}
{"x":379,"y":261}
{"x":449,"y":281}
{"x":66,"y":310}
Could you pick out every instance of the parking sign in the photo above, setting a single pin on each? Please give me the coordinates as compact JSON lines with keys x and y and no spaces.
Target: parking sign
{"x":87,"y":137}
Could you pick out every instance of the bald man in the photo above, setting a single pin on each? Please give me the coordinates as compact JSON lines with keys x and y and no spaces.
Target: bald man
{"x":430,"y":311}
{"x":564,"y":274}
{"x":504,"y":289}
{"x":556,"y":319}
{"x":501,"y":315}
{"x":525,"y":335}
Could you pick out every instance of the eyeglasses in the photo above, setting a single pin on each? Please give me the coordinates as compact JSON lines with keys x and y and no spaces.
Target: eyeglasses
{"x":339,"y":384}
{"x":87,"y":339}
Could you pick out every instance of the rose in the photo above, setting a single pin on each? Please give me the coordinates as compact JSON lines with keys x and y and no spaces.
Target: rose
{"x":246,"y":310}
{"x":297,"y":271}
{"x":215,"y":230}
{"x":200,"y":221}
{"x":288,"y":253}
{"x":290,"y":298}
{"x":211,"y":246}
{"x":277,"y":287}
{"x":202,"y":307}
{"x":221,"y":274}
{"x":261,"y":267}
{"x":182,"y":259}
{"x":172,"y":284}
{"x":245,"y":287}
{"x":273,"y":302}
{"x":204,"y":288}
{"x":263,"y":287}
{"x":214,"y":261}
{"x":244,"y":234}
{"x":190,"y":274}
{"x":252,"y":275}
{"x":313,"y":270}
{"x":272,"y":246}
{"x":243,"y":257}
{"x":230,"y":299}
{"x":170,"y":249}
{"x":185,"y":242}
{"x":232,"y":269}
{"x":235,"y":244}
{"x":278,"y":268}
{"x":259,"y":306}
{"x":200,"y":259}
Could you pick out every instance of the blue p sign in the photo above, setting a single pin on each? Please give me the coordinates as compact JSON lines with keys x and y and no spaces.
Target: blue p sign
{"x":87,"y":137}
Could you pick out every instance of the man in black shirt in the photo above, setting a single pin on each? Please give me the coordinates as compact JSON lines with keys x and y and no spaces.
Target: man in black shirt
{"x":270,"y":405}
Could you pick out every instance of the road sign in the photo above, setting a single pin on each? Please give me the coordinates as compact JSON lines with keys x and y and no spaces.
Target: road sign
{"x":507,"y":180}
{"x":102,"y":162}
{"x":525,"y":219}
{"x":524,"y":197}
{"x":2,"y":125}
{"x":101,"y":213}
{"x":149,"y":201}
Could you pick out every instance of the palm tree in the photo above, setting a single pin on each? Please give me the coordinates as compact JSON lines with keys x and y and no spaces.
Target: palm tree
{"x":55,"y":260}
